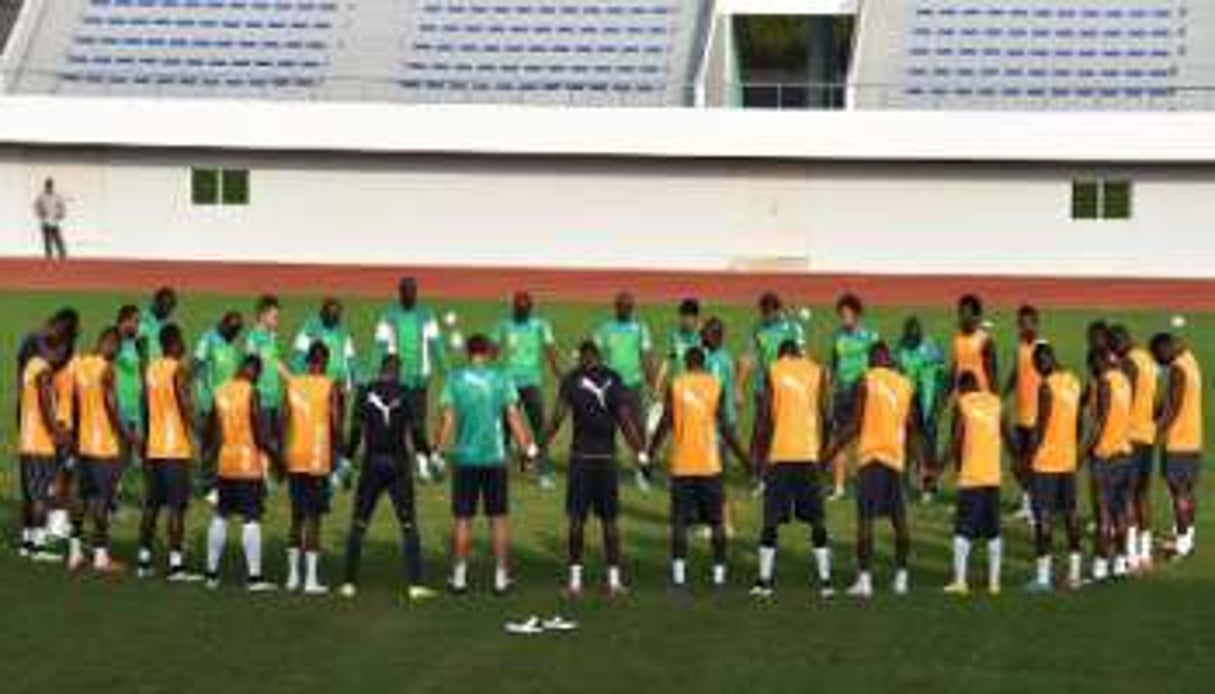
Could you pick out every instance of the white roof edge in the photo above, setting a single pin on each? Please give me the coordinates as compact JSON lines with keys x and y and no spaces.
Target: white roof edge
{"x":1164,"y":137}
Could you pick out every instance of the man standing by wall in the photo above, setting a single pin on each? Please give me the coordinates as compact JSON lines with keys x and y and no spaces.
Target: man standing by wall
{"x":51,"y":210}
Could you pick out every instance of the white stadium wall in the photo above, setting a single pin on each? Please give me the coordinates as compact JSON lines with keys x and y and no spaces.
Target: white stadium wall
{"x":865,"y":192}
{"x":899,"y":218}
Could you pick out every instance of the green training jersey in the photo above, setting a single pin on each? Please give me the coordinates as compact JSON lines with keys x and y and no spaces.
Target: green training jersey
{"x":217,"y":361}
{"x":414,"y":336}
{"x":264,"y":344}
{"x":766,"y":340}
{"x":341,"y":350}
{"x":924,"y":366}
{"x":721,"y":364}
{"x":523,"y":346}
{"x":623,"y":344}
{"x":128,"y":381}
{"x":850,"y":351}
{"x":479,"y":396}
{"x":678,"y":344}
{"x":149,"y":333}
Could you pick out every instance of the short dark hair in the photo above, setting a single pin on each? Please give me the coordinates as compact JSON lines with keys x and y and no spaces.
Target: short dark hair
{"x":317,"y":352}
{"x":689,"y":307}
{"x":694,"y":358}
{"x":266,"y":302}
{"x":789,"y":348}
{"x":850,"y":301}
{"x":972,"y":303}
{"x":770,"y":301}
{"x":1028,"y":311}
{"x":587,"y":349}
{"x":127,"y":311}
{"x":251,"y":361}
{"x":170,"y":335}
{"x":479,"y":345}
{"x":1161,"y":342}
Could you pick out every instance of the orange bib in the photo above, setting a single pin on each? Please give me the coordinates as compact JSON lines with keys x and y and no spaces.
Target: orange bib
{"x":168,"y":437}
{"x":982,"y":440}
{"x":1059,"y":448}
{"x":309,"y":438}
{"x":887,"y":407}
{"x":695,"y":397}
{"x":796,"y":419}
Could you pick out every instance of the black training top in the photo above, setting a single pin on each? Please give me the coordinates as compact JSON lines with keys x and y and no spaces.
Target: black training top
{"x":596,"y":400}
{"x":382,"y":422}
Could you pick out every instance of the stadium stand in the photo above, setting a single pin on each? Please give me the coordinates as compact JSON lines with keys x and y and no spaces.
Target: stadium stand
{"x":632,"y":52}
{"x":1112,"y":54}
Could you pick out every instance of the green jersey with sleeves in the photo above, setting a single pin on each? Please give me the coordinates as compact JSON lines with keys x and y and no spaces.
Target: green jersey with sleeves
{"x":720,"y":363}
{"x":263,"y":343}
{"x":478,"y":395}
{"x":336,"y":339}
{"x":523,"y":347}
{"x":216,"y":362}
{"x":149,"y":334}
{"x":850,"y":351}
{"x":924,"y":366}
{"x":678,"y":344}
{"x":128,"y":381}
{"x":766,"y":340}
{"x":414,"y":336}
{"x":623,"y":344}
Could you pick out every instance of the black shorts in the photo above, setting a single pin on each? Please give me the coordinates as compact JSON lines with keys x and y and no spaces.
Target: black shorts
{"x":244,"y":498}
{"x":879,"y":491}
{"x":697,"y":500}
{"x":592,"y":486}
{"x":99,"y":479}
{"x":1143,"y":460}
{"x":168,"y":484}
{"x":978,"y":513}
{"x":1114,"y":479}
{"x":484,"y":486}
{"x":843,"y":408}
{"x":309,"y":495}
{"x":1181,"y":469}
{"x":38,"y":475}
{"x":793,"y":490}
{"x":1053,"y":493}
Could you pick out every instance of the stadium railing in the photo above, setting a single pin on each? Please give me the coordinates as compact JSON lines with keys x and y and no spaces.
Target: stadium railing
{"x":554,"y":92}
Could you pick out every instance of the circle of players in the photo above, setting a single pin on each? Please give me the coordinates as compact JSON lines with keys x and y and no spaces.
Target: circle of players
{"x":136,"y":400}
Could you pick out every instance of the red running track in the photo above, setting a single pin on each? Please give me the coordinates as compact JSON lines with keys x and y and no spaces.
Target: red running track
{"x":598,"y":285}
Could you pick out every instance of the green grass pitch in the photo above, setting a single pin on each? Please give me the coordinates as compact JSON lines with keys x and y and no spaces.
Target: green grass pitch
{"x":62,"y":634}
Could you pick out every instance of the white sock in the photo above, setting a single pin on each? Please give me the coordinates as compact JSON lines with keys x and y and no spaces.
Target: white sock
{"x":1145,"y":545}
{"x":576,"y":576}
{"x":1101,"y":569}
{"x":1120,"y":566}
{"x":719,"y":574}
{"x":145,"y":555}
{"x":614,"y":576}
{"x":902,"y":580}
{"x":101,"y":557}
{"x":293,"y":566}
{"x":1027,"y":503}
{"x":251,"y":538}
{"x":1044,"y":570}
{"x":864,"y":580}
{"x":995,"y":561}
{"x":767,"y":563}
{"x":313,"y":560}
{"x":679,"y":572}
{"x":961,"y":557}
{"x":1075,"y":563}
{"x":459,"y":575}
{"x":27,"y":536}
{"x":822,"y":561}
{"x":176,"y":560}
{"x":75,"y":550}
{"x":1132,"y":543}
{"x":501,"y":578}
{"x":217,"y":537}
{"x":38,"y":537}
